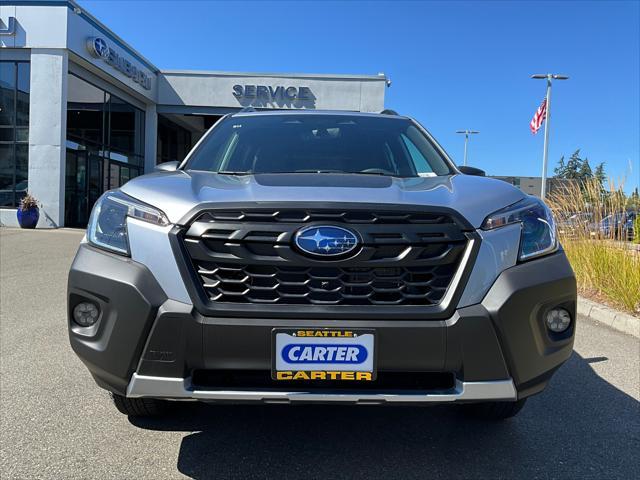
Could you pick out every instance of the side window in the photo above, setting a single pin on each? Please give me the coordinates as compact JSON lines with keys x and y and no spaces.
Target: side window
{"x":421,"y":163}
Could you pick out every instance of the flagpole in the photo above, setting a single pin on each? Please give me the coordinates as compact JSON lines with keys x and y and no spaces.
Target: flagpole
{"x":545,"y":156}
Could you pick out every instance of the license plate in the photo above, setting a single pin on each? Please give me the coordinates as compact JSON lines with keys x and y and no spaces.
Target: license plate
{"x":323,"y":355}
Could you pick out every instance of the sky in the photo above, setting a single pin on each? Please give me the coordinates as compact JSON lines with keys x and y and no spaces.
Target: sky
{"x":453,"y":65}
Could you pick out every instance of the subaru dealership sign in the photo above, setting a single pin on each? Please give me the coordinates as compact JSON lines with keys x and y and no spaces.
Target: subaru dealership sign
{"x":99,"y":48}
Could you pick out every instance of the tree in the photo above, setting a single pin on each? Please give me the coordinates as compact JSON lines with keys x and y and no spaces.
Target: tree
{"x":578,"y":169}
{"x":573,"y":166}
{"x":585,"y":172}
{"x":561,"y":169}
{"x":599,"y":174}
{"x":633,"y":201}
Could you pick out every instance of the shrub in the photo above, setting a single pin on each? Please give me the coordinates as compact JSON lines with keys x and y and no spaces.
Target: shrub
{"x":605,"y":268}
{"x":28,"y":202}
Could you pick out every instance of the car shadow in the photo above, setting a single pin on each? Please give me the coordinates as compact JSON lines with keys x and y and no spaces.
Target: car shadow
{"x":580,"y":427}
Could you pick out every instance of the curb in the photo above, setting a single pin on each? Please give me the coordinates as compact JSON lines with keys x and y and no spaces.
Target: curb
{"x":620,"y":321}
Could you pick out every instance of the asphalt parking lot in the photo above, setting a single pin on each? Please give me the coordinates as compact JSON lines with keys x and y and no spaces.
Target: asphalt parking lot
{"x":57,"y":424}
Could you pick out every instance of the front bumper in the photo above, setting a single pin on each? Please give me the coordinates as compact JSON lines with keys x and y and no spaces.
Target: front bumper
{"x":183,"y":389}
{"x":146,"y":345}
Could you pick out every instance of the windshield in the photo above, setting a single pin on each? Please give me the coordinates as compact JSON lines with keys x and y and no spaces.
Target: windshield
{"x":318,"y":143}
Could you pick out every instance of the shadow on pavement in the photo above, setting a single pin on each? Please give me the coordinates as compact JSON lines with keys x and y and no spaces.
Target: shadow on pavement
{"x":580,"y":427}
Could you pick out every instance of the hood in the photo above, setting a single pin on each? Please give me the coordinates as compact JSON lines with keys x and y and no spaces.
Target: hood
{"x":177,"y":193}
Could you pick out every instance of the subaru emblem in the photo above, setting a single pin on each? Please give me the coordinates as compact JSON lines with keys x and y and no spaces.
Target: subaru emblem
{"x":98,"y":47}
{"x":326,"y":241}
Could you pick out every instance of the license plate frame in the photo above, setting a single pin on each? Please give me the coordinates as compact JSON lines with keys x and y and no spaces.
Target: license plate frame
{"x":356,"y":371}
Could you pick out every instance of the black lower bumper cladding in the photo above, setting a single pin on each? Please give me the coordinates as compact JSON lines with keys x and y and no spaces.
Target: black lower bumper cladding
{"x":141,"y":331}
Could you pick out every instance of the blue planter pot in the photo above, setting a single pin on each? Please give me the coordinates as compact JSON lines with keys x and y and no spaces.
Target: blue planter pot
{"x":28,"y":218}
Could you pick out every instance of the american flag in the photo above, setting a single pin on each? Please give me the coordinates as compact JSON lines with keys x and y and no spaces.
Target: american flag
{"x":538,"y":118}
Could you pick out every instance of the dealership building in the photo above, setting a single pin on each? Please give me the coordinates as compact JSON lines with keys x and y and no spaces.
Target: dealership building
{"x":533,"y":185}
{"x":82,"y":112}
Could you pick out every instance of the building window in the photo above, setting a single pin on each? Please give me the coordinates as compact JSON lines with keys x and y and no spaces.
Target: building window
{"x":174,"y":141}
{"x":105,"y":146}
{"x":99,"y":120}
{"x":14,"y":132}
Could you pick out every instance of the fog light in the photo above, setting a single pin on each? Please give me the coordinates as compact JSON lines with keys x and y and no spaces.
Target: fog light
{"x":558,"y":320}
{"x":86,"y":314}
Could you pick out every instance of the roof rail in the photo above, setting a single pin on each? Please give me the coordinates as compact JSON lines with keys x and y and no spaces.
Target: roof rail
{"x":388,"y":111}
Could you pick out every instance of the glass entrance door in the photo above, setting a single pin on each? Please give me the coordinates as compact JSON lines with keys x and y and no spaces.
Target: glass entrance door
{"x":75,"y":194}
{"x":82,"y":186}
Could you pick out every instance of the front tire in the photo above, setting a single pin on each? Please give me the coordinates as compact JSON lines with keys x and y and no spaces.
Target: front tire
{"x":139,"y":407}
{"x":495,"y":411}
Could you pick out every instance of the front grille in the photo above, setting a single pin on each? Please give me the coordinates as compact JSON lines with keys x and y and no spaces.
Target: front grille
{"x":226,"y":282}
{"x":246,"y":256}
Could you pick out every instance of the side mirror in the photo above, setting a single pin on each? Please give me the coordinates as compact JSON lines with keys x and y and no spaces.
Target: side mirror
{"x":167,"y":167}
{"x":472,"y":171}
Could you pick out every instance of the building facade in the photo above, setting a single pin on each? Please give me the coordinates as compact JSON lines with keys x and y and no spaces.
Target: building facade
{"x":533,"y":185}
{"x":82,"y":112}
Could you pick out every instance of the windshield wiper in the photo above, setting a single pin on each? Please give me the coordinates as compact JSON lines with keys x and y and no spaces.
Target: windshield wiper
{"x":341,"y":172}
{"x":318,"y":170}
{"x":230,"y":172}
{"x":382,"y":174}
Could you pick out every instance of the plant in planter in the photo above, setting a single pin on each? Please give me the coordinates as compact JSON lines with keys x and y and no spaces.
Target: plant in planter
{"x":28,"y":212}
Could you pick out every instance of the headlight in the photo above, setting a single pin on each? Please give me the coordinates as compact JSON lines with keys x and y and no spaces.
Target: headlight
{"x":538,"y":235}
{"x":108,"y":223}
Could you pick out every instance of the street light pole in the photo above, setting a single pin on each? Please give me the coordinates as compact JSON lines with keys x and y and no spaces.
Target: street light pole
{"x":466,"y":140}
{"x":545,"y":156}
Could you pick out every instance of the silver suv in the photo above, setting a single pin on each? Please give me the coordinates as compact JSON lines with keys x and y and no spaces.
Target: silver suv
{"x":320,"y":257}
